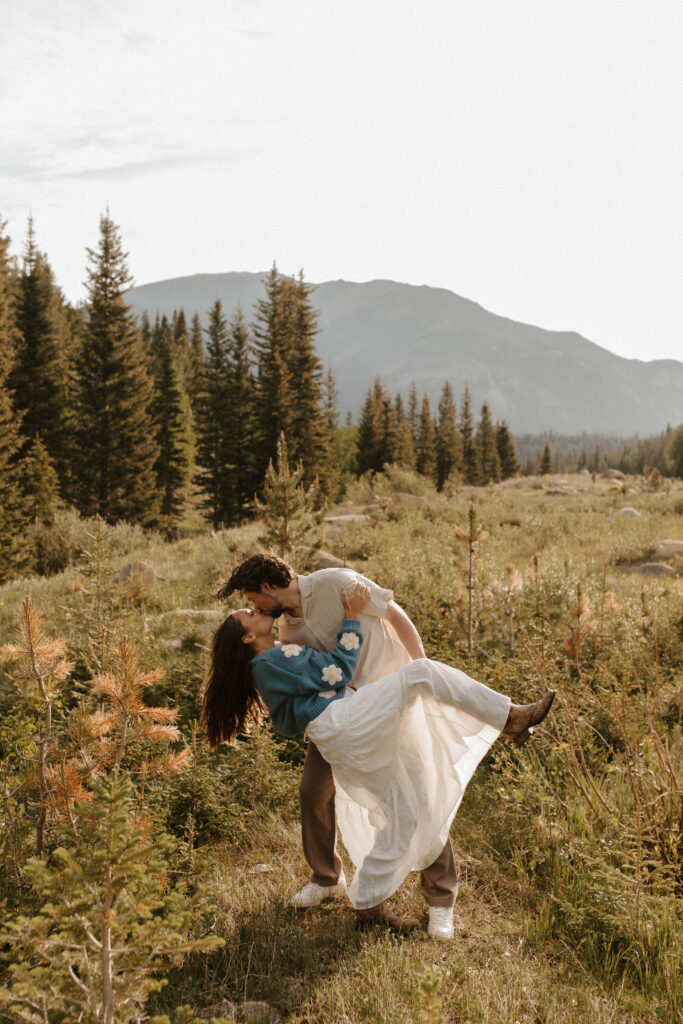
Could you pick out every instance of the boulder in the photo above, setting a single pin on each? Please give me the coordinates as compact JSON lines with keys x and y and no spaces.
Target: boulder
{"x":410,"y":499}
{"x":349,"y":518}
{"x":326,"y":560}
{"x":223,"y":1009}
{"x":649,"y":569}
{"x":625,"y":513}
{"x":614,"y":474}
{"x":669,"y":548}
{"x":256,"y":1011}
{"x":143,"y":570}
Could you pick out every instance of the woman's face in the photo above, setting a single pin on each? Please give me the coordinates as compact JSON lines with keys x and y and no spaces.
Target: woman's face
{"x":258,"y":623}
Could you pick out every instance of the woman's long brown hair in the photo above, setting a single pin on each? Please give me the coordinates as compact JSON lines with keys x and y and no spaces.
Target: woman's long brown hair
{"x":230,"y":700}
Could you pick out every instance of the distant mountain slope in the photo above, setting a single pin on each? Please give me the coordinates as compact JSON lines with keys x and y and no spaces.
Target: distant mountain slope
{"x":536,"y":379}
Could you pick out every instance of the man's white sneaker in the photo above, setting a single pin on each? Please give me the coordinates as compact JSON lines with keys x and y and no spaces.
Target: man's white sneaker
{"x":312,"y":895}
{"x":440,"y":923}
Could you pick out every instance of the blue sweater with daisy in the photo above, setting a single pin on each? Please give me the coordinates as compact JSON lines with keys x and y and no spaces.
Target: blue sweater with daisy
{"x":297,"y":683}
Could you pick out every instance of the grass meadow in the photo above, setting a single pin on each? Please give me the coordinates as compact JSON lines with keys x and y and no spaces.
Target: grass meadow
{"x":570,"y":850}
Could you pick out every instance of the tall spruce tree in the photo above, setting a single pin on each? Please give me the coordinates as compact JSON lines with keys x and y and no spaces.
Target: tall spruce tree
{"x":470,"y":452}
{"x":376,"y":430}
{"x":413,"y":413}
{"x":308,"y":435}
{"x":244,"y":471}
{"x":489,"y":460}
{"x":405,"y":449}
{"x":116,"y":450}
{"x":425,"y":448}
{"x":196,"y":346}
{"x":448,"y":446}
{"x":546,"y":461}
{"x":212,"y":412}
{"x":38,"y":377}
{"x":509,"y":466}
{"x":169,"y":410}
{"x":15,"y":553}
{"x":276,"y":389}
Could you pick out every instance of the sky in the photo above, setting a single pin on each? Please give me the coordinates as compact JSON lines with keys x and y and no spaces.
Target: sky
{"x":526,"y":154}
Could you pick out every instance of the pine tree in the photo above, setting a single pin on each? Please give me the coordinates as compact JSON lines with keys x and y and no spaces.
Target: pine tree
{"x":425,"y":448}
{"x":308,"y":434}
{"x":509,"y":465}
{"x":212,"y":410}
{"x":40,"y":484}
{"x":275,"y":386}
{"x":38,"y":377}
{"x":448,"y":446}
{"x":288,"y":511}
{"x":245,"y":472}
{"x":110,"y":924}
{"x":196,"y":344}
{"x":546,"y":463}
{"x":116,"y":447}
{"x":489,"y":460}
{"x":405,"y":449}
{"x":169,"y":412}
{"x":413,"y":413}
{"x":470,"y":453}
{"x":330,"y":483}
{"x":15,"y":551}
{"x":376,"y":430}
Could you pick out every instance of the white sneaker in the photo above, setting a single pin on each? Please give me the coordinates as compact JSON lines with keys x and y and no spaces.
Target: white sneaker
{"x":440,"y":923}
{"x":312,"y":895}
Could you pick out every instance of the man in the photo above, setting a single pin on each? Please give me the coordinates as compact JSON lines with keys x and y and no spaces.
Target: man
{"x":309,"y":609}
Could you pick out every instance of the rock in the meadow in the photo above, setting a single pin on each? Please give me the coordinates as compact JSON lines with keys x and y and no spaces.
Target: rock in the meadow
{"x":614,"y":474}
{"x":349,"y":519}
{"x":256,"y":1011}
{"x":143,"y":570}
{"x":625,"y":513}
{"x":650,"y":569}
{"x":223,"y":1009}
{"x":410,"y":499}
{"x":669,"y":548}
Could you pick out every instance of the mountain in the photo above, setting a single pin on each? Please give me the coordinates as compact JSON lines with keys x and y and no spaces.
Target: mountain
{"x":535,"y":379}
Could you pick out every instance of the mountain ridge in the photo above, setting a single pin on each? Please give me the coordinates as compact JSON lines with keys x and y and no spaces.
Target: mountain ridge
{"x":535,"y":378}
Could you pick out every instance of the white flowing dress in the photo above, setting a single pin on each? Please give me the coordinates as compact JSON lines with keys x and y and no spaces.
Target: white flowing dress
{"x":402,"y":752}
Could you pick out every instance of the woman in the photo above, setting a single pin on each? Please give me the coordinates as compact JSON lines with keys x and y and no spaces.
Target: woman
{"x":401,"y":750}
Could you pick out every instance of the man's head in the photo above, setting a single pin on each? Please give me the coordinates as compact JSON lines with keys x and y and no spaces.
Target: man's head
{"x":261,"y":578}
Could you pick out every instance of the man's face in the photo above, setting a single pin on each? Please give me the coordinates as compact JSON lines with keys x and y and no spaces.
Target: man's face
{"x":266,"y":600}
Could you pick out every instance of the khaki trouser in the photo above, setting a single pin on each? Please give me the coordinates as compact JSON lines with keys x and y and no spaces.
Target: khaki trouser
{"x":319,"y":835}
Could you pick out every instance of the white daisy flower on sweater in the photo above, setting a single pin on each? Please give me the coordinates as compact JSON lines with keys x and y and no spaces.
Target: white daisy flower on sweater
{"x":332,"y":674}
{"x":291,"y":650}
{"x":349,"y":641}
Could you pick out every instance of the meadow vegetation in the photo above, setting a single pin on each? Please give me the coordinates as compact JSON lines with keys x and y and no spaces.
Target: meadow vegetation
{"x":570,"y":850}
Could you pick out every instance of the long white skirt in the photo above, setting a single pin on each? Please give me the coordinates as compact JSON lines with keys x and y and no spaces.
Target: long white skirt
{"x":402,"y":751}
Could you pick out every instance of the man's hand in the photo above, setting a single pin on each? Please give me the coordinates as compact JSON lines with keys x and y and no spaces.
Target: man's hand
{"x":407,"y":634}
{"x":357,"y":602}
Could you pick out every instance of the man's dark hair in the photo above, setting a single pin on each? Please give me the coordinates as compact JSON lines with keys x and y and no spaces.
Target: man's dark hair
{"x":253,"y":572}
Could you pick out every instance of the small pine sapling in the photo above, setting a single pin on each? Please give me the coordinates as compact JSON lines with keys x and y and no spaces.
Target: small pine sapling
{"x":110,"y":924}
{"x":288,"y":511}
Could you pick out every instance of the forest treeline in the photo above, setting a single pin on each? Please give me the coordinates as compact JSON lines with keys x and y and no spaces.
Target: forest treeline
{"x":124,"y":418}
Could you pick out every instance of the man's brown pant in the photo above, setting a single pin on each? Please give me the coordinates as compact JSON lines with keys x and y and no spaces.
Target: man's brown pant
{"x":319,"y":835}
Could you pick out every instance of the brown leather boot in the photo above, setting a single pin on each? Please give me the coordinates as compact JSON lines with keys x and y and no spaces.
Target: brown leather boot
{"x":382,"y":914}
{"x":523,"y":717}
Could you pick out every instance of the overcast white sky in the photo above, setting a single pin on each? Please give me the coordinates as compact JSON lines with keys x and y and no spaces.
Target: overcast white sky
{"x":526,"y":154}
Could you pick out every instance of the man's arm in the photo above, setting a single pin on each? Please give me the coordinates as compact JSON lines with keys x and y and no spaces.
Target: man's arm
{"x":407,"y":634}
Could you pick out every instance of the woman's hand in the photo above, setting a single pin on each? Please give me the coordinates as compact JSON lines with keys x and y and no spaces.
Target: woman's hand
{"x":355,"y":603}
